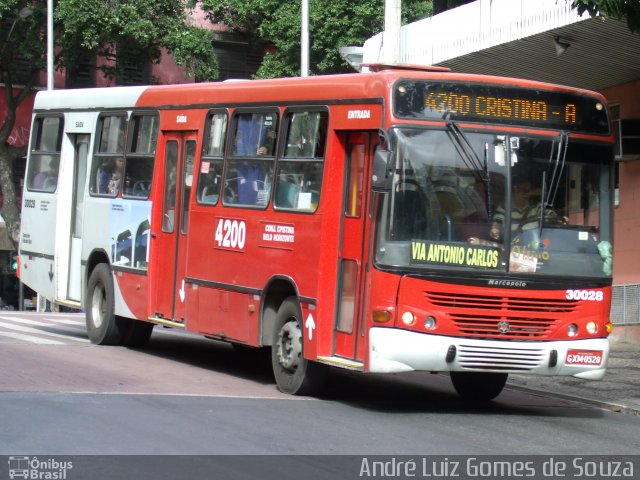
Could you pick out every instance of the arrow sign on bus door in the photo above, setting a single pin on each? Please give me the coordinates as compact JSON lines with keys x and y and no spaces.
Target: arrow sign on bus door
{"x":181,"y":291}
{"x":310,"y":324}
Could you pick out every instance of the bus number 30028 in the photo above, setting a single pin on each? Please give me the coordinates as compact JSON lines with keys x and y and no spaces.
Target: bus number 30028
{"x":230,"y":234}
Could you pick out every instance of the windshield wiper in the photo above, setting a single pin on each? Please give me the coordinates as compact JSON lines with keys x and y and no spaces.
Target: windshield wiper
{"x":468,"y":154}
{"x":558,"y":169}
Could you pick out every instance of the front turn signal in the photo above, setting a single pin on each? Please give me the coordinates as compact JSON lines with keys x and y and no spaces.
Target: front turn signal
{"x":381,"y":316}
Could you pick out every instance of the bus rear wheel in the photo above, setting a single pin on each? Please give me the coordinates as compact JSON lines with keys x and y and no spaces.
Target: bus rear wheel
{"x":478,"y":386}
{"x":135,"y":332}
{"x":103,"y":327}
{"x":293,"y":373}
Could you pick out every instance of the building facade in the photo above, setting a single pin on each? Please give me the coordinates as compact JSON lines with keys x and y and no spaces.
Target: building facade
{"x":547,"y":40}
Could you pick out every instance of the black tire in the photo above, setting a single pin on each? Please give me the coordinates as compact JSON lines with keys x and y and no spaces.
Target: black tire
{"x":136,"y":333}
{"x":102,"y":325}
{"x":293,"y":373}
{"x":478,"y":386}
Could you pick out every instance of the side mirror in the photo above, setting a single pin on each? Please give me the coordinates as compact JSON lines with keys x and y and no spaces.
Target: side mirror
{"x":380,"y":168}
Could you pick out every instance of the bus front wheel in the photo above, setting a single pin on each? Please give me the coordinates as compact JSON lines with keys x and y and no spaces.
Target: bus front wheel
{"x":478,"y":386}
{"x":293,"y":373}
{"x":102,"y":325}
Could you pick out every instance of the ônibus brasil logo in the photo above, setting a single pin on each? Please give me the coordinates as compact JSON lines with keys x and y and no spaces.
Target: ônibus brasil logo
{"x":38,"y":469}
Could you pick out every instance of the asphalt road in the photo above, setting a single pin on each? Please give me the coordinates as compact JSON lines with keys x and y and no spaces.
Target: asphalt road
{"x":185,"y":395}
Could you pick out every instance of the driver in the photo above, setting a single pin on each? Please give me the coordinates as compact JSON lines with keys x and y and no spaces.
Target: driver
{"x":525,"y":214}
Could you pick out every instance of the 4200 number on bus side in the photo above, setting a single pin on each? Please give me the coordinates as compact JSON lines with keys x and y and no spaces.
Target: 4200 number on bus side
{"x":230,"y":234}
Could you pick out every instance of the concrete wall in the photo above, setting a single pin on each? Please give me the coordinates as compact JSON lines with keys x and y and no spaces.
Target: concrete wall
{"x":626,"y":260}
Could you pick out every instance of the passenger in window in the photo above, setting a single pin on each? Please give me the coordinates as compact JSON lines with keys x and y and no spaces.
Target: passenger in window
{"x":47,"y":179}
{"x":252,"y":137}
{"x":301,"y":148}
{"x":104,"y":175}
{"x":209,"y":183}
{"x":251,"y":185}
{"x":116,"y":177}
{"x":267,"y":142}
{"x":110,"y":176}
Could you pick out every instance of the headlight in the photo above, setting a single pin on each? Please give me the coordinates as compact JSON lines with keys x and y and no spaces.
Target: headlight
{"x":430,"y":323}
{"x":408,"y":318}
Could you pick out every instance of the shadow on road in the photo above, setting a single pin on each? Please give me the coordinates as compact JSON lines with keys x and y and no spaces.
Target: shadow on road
{"x":391,"y":393}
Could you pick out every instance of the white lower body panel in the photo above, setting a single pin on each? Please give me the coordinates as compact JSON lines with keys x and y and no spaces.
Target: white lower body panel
{"x":395,"y":350}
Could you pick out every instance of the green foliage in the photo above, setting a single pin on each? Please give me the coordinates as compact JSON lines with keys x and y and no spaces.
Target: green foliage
{"x":20,"y":38}
{"x":136,"y":30}
{"x":332,"y":24}
{"x":629,"y":9}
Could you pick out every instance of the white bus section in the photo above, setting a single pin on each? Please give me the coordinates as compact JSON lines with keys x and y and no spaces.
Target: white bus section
{"x":54,"y":226}
{"x":87,"y":98}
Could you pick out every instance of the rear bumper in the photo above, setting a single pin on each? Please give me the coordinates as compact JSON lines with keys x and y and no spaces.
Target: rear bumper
{"x":395,"y":350}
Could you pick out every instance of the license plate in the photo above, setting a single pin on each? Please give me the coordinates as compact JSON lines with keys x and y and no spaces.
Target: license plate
{"x":584,"y":357}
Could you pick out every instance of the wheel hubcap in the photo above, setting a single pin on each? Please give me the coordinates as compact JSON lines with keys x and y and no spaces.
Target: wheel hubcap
{"x":98,"y":306}
{"x":290,"y":346}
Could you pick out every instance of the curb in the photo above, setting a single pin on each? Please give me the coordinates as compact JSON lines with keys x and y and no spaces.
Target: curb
{"x":613,"y":407}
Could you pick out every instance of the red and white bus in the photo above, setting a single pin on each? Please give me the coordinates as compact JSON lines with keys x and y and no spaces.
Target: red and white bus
{"x":356,"y":221}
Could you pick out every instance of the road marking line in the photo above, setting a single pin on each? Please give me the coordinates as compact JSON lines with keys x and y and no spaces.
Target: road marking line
{"x":292,"y":398}
{"x":40,"y":332}
{"x":36,"y":323}
{"x":66,"y":321}
{"x":30,"y":339}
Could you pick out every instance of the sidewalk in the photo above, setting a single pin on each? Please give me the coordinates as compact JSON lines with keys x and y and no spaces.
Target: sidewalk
{"x":618,"y":391}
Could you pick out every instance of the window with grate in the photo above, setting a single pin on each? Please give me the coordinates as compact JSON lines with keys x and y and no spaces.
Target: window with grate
{"x":130,"y":71}
{"x":21,"y":70}
{"x":237,"y":59}
{"x":83,"y":74}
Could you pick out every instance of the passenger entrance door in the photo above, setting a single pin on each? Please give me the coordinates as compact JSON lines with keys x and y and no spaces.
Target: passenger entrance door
{"x":170,"y":225}
{"x":349,"y":326}
{"x":81,"y":149}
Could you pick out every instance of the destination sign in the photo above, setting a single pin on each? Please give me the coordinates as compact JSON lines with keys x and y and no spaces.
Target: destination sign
{"x":462,"y":255}
{"x":494,"y":104}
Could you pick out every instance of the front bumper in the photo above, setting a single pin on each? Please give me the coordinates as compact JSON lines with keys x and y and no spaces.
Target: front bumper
{"x":395,"y":350}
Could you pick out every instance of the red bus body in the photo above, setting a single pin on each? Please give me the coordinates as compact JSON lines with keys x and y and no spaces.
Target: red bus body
{"x":225,"y":270}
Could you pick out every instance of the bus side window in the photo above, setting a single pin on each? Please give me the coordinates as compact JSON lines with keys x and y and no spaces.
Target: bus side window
{"x":44,"y":162}
{"x":249,"y":172}
{"x":299,"y":174}
{"x":209,"y":177}
{"x":108,"y":160}
{"x":190,"y":158}
{"x":169,"y":198}
{"x":142,"y":140}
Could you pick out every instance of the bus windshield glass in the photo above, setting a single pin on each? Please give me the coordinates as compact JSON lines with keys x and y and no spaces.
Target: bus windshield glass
{"x":487,"y":202}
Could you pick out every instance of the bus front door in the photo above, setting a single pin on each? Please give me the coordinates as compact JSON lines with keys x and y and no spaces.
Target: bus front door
{"x":170,"y":224}
{"x":81,"y":149}
{"x":349,"y":327}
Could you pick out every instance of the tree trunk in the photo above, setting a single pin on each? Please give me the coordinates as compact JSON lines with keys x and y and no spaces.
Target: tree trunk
{"x":10,"y":209}
{"x":8,"y":154}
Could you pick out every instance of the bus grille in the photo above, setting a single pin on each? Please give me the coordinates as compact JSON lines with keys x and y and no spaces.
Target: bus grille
{"x":497,"y":358}
{"x":518,"y":318}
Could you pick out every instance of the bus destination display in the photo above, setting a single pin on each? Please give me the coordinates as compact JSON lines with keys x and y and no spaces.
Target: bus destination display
{"x":500,"y":105}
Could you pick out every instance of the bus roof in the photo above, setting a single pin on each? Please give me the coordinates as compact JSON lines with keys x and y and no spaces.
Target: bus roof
{"x":348,"y":87}
{"x":88,"y":98}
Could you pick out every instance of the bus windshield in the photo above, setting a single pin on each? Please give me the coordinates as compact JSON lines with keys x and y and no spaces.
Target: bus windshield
{"x":487,"y":202}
